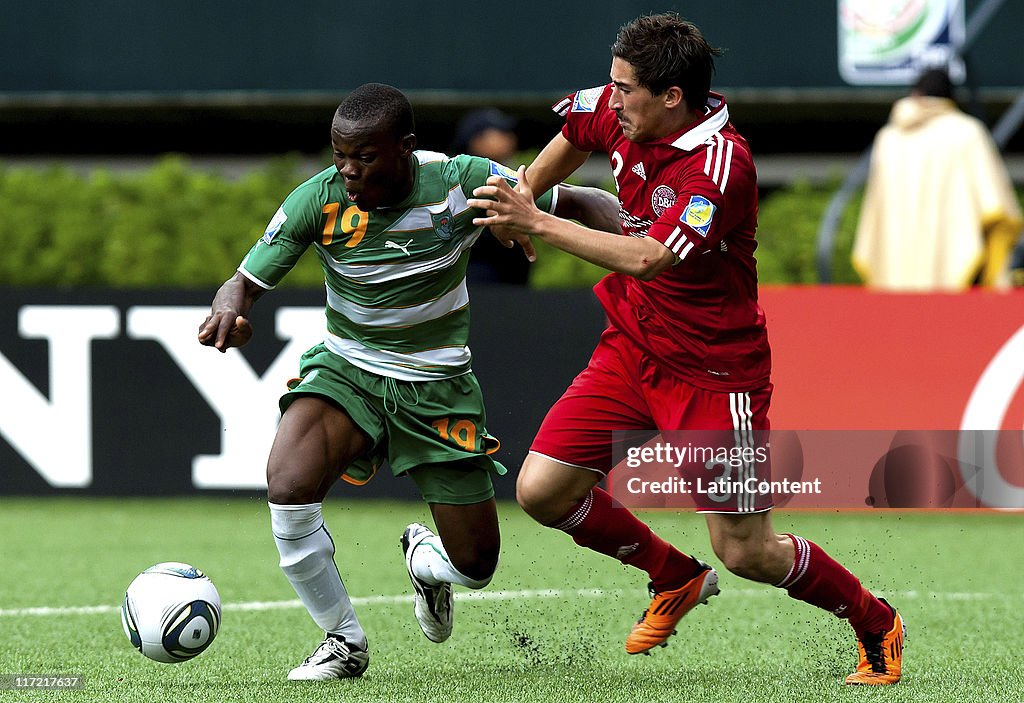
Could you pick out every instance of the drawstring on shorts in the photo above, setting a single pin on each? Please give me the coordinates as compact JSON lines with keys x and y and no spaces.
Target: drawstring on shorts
{"x":393,"y":395}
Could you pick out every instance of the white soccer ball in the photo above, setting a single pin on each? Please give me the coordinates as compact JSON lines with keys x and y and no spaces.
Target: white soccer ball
{"x":171,"y":612}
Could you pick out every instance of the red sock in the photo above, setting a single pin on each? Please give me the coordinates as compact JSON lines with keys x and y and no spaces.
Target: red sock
{"x":820,"y":580}
{"x":599,"y":523}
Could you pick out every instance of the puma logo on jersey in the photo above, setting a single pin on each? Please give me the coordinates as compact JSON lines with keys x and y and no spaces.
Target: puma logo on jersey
{"x":639,"y":170}
{"x":395,"y":245}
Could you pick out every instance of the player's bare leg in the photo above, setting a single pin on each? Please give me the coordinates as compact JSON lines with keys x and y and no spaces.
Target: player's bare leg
{"x":750,"y":547}
{"x":464,"y":552}
{"x":547,"y":489}
{"x":567,"y":498}
{"x":314,"y":441}
{"x":470,"y":536}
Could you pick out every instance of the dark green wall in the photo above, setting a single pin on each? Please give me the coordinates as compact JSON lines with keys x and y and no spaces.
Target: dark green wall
{"x":526,"y":46}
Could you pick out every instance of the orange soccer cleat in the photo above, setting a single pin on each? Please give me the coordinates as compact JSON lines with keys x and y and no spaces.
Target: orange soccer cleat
{"x":667,"y":608}
{"x":881,"y":656}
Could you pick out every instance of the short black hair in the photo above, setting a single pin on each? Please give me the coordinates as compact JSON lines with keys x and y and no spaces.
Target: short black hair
{"x":934,"y":82}
{"x":479,"y":121}
{"x":384,"y":106}
{"x":666,"y":50}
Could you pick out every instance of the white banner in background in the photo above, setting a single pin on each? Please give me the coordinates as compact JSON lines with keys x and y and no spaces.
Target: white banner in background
{"x":54,"y":434}
{"x":889,"y":42}
{"x":245,"y":403}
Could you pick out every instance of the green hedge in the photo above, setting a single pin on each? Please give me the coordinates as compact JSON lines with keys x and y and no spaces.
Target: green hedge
{"x":167,"y":227}
{"x":175,"y":227}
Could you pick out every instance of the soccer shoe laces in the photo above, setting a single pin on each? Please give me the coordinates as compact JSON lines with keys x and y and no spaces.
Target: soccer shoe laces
{"x":880,"y":654}
{"x":873,"y":652}
{"x":651,"y":591}
{"x":334,"y":658}
{"x":331,"y":647}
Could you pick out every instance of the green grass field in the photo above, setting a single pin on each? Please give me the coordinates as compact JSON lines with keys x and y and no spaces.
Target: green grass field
{"x":549,"y":628}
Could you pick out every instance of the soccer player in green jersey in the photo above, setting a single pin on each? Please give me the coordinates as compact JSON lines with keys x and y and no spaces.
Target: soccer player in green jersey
{"x":392,"y":380}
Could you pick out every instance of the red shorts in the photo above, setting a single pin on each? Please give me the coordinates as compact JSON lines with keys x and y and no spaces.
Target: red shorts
{"x":623,"y":390}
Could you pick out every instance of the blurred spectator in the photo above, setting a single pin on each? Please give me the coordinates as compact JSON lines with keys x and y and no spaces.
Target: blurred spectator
{"x":491,"y":133}
{"x":488,"y":132}
{"x":939,"y":209}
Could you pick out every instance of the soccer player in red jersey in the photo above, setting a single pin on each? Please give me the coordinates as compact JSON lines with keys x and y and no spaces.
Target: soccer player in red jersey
{"x":686,"y":347}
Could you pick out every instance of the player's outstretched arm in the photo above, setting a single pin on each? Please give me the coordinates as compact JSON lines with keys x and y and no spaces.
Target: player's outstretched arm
{"x":228,"y":325}
{"x":597,"y":209}
{"x":641,"y":257}
{"x":556,"y":162}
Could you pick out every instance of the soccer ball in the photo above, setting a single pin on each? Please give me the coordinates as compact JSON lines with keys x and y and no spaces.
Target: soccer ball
{"x":171,"y":612}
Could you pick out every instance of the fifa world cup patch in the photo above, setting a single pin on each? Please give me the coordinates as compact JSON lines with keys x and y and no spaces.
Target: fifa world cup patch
{"x":504,"y":171}
{"x":274,"y":227}
{"x":698,"y":214}
{"x":586,"y":100}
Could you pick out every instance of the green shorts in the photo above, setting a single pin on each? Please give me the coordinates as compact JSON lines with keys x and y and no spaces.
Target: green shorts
{"x":433,"y":430}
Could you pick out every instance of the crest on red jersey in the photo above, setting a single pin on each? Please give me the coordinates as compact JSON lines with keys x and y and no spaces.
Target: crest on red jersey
{"x":662,"y":199}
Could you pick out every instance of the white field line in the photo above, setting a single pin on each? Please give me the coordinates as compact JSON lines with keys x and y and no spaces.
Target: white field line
{"x":47,"y":611}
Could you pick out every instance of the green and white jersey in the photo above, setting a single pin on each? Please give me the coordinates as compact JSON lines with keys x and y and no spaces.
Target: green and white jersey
{"x":397,"y":303}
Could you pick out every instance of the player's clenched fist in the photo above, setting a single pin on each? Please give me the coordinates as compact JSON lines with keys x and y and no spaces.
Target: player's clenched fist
{"x":505,"y":206}
{"x":225,"y":329}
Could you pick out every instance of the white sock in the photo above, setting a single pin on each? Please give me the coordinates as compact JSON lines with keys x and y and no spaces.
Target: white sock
{"x":307,"y":559}
{"x":430,"y":562}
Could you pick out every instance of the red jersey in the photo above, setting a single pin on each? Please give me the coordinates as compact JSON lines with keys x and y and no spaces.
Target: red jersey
{"x":694,"y":191}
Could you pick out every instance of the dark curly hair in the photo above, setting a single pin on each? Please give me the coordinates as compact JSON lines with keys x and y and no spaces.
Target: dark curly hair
{"x":664,"y":51}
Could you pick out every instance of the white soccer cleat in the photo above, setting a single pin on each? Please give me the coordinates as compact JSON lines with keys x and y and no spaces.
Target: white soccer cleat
{"x":431,"y":604}
{"x":333,"y":659}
